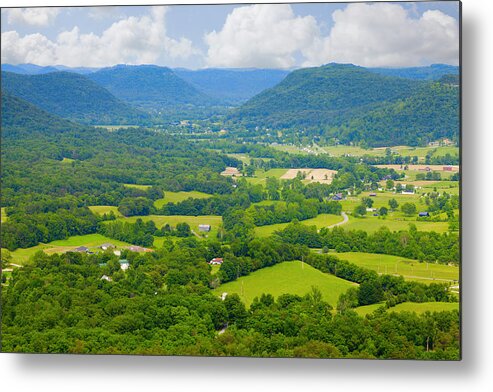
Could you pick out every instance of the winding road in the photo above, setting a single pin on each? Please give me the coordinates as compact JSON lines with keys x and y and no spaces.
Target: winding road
{"x":345,"y":220}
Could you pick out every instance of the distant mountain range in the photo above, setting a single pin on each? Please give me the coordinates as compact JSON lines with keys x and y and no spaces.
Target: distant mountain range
{"x":232,"y":86}
{"x":377,"y":106}
{"x":71,"y":96}
{"x":432,"y":72}
{"x":354,"y":104}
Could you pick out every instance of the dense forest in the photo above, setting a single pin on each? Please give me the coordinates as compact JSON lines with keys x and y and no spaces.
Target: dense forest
{"x":72,"y":96}
{"x":352,"y":104}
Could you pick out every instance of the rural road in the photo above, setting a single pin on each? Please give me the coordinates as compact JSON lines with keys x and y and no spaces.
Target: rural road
{"x":345,"y":220}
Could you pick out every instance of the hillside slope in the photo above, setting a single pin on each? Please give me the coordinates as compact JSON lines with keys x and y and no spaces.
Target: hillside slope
{"x":149,"y":87}
{"x":352,"y":104}
{"x":72,"y":96}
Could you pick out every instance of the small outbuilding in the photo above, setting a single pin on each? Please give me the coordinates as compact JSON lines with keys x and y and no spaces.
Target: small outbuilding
{"x":124,"y":264}
{"x":216,"y":261}
{"x":107,"y":245}
{"x":425,"y":213}
{"x":81,"y":249}
{"x":205,"y":228}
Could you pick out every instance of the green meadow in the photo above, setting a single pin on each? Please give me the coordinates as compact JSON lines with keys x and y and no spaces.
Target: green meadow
{"x":92,"y":241}
{"x":371,"y":224}
{"x":176,"y":197}
{"x":194,"y":221}
{"x":418,"y":308}
{"x":322,"y":220}
{"x":292,"y":277}
{"x":3,"y":215}
{"x":137,"y":186}
{"x":261,"y":175}
{"x":410,"y":269}
{"x":101,"y":210}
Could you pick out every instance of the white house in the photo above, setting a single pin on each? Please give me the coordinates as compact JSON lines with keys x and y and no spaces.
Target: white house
{"x":216,"y":261}
{"x":124,"y":264}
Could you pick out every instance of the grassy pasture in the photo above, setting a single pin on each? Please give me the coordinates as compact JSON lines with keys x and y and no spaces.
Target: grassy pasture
{"x":418,"y":308}
{"x":101,"y":210}
{"x":322,"y":220}
{"x":194,"y":221}
{"x":92,"y":241}
{"x":410,"y":269}
{"x":372,"y":223}
{"x":176,"y":197}
{"x":3,"y":215}
{"x":67,"y":160}
{"x":289,"y":277}
{"x":143,"y":187}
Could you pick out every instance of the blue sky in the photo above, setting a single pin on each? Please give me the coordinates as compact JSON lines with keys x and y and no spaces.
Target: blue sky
{"x":263,"y":36}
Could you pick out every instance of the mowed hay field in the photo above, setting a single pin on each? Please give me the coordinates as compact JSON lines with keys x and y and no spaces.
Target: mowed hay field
{"x":323,"y":176}
{"x":418,"y":308}
{"x":101,"y":210}
{"x":291,"y":277}
{"x":261,"y":175}
{"x":322,"y":220}
{"x":176,"y":197}
{"x":91,"y":241}
{"x":410,"y":269}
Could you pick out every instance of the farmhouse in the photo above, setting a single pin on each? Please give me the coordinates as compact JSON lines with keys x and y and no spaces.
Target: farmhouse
{"x":205,"y":228}
{"x":124,"y":264}
{"x":107,"y":245}
{"x":373,"y":194}
{"x":407,"y":192}
{"x":426,"y":213}
{"x":337,"y":196}
{"x":81,"y":249}
{"x":216,"y":261}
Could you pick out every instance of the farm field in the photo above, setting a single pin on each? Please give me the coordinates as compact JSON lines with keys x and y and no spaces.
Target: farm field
{"x":373,"y":223}
{"x":101,"y":210}
{"x":322,"y":220}
{"x":341,"y":150}
{"x":412,"y":168}
{"x":3,"y":215}
{"x":67,"y":160}
{"x":194,"y":221}
{"x":323,"y":176}
{"x":410,"y":269}
{"x":381,"y":200}
{"x":176,"y":197}
{"x":261,"y":175}
{"x":291,"y":277}
{"x":92,"y":241}
{"x":143,"y":187}
{"x":419,"y":308}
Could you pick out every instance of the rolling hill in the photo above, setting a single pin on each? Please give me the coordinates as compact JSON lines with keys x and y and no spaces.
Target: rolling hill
{"x":232,"y":86}
{"x":352,"y":104}
{"x":72,"y":96}
{"x":149,"y":87}
{"x":20,"y":115}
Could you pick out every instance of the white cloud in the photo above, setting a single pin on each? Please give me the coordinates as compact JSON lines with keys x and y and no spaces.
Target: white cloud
{"x":133,"y":40}
{"x":386,"y":35}
{"x":32,"y":16}
{"x":266,"y":35}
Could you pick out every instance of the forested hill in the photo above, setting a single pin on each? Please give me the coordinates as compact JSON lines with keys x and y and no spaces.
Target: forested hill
{"x":149,"y":86}
{"x":19,"y":115}
{"x":431,"y":72}
{"x":352,"y":104}
{"x":232,"y":86}
{"x":72,"y":96}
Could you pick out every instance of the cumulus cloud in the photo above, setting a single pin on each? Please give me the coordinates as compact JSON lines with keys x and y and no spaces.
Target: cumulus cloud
{"x":387,"y":35}
{"x":32,"y":16}
{"x":133,"y":40}
{"x":261,"y":35}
